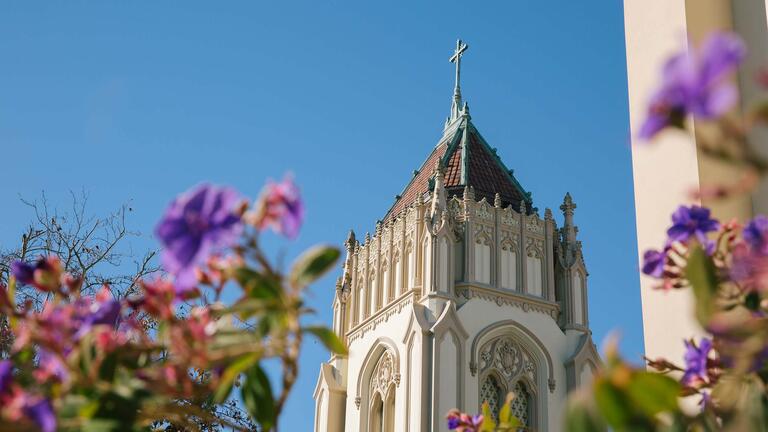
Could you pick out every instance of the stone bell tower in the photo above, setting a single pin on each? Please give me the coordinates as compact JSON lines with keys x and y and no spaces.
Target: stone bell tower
{"x":462,"y":294}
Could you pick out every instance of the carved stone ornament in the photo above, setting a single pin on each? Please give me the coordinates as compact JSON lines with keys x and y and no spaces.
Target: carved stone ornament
{"x":508,"y":218}
{"x":410,"y":220}
{"x":483,"y":211}
{"x":456,"y":209}
{"x":534,"y":248}
{"x":384,"y":374}
{"x":510,"y":241}
{"x":534,"y":225}
{"x":483,"y":234}
{"x":507,"y":358}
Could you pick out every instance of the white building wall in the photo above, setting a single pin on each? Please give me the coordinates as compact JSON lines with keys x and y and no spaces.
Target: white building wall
{"x":665,"y":172}
{"x":430,"y":328}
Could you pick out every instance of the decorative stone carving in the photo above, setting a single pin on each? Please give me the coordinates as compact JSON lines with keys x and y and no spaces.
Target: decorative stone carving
{"x":410,"y":220}
{"x":483,"y":211}
{"x":534,"y":248}
{"x":534,"y":224}
{"x":383,"y":375}
{"x":508,"y":218}
{"x":526,"y":304}
{"x":483,"y":234}
{"x":507,"y":358}
{"x":510,"y":241}
{"x":456,"y":209}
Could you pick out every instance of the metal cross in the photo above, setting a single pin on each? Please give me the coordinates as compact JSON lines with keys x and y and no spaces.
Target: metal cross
{"x":461,"y":47}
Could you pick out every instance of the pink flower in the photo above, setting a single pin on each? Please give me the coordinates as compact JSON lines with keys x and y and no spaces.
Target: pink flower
{"x":279,"y":207}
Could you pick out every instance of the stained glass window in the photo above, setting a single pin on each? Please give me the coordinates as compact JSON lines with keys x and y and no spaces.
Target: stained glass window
{"x":520,"y":405}
{"x":491,"y":392}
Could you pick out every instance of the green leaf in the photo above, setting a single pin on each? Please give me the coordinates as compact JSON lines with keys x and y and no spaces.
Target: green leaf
{"x":652,"y":393}
{"x":312,"y":264}
{"x":258,"y":285}
{"x":700,"y":272}
{"x":611,"y":404}
{"x":258,"y":398}
{"x":328,"y":338}
{"x":230,"y":374}
{"x":579,"y":417}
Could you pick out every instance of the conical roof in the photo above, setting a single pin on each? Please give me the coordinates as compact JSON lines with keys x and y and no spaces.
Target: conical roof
{"x":467,"y":160}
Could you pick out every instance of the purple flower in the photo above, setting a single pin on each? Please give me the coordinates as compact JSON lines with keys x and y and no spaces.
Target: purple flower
{"x":696,"y":360}
{"x":196,"y":223}
{"x":41,"y":412}
{"x":453,"y":423}
{"x":50,"y":366}
{"x":693,"y":83}
{"x":6,"y":374}
{"x":45,"y":274}
{"x":280,"y":208}
{"x":693,"y":221}
{"x":23,"y":272}
{"x":653,"y":262}
{"x":104,"y":312}
{"x":756,"y":234}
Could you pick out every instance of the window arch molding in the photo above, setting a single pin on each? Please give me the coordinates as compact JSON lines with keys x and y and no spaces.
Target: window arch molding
{"x":364,"y":398}
{"x":536,"y":352}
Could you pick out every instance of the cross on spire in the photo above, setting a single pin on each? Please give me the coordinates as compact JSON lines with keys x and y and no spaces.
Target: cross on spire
{"x":461,"y":47}
{"x":456,"y":105}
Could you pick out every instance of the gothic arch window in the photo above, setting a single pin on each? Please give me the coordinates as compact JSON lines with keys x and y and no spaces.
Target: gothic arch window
{"x":397,"y":287}
{"x":386,"y":291}
{"x":426,"y":259}
{"x":377,"y":414}
{"x":361,"y":300}
{"x":373,"y":294}
{"x":483,"y":258}
{"x":493,"y":393}
{"x":577,"y":289}
{"x":409,"y":264}
{"x":534,"y":268}
{"x":509,"y":265}
{"x":504,"y":365}
{"x":382,"y":389}
{"x":521,"y":404}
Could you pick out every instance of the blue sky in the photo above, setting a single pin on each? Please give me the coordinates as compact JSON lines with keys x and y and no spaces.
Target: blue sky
{"x":137,"y":101}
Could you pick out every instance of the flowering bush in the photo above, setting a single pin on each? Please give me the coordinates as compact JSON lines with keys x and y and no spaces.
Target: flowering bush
{"x":724,"y":264}
{"x":157,"y":360}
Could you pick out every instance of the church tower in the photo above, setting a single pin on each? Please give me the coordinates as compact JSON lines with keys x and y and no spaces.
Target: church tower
{"x":462,"y":294}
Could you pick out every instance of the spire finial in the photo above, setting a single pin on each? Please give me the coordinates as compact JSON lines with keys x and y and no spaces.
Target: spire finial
{"x":456,"y":105}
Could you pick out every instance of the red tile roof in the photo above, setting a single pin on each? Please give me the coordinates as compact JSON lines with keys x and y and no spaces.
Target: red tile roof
{"x":485,"y":172}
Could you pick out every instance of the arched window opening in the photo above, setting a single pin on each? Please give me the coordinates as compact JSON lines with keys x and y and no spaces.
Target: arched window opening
{"x":361,"y":301}
{"x":492,"y":393}
{"x":410,"y":265}
{"x":398,"y":286}
{"x":534,"y":280}
{"x":483,"y":259}
{"x":426,"y":272}
{"x":578,"y":303}
{"x":377,"y":414}
{"x":504,"y":365}
{"x":389,"y":410}
{"x":508,"y":266}
{"x":382,"y":394}
{"x":375,"y":300}
{"x":521,"y":405}
{"x":385,"y":284}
